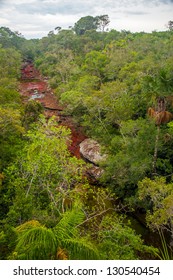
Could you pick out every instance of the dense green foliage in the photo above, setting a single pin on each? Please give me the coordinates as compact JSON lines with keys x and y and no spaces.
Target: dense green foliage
{"x":106,"y":81}
{"x":10,"y":105}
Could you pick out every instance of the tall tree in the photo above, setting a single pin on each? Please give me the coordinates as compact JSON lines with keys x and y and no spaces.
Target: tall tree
{"x":84,"y":24}
{"x":102,"y":22}
{"x":170,"y":25}
{"x":157,"y":197}
{"x":43,"y":173}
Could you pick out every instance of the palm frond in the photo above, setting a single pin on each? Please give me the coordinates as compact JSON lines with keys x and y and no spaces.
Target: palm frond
{"x":80,"y":249}
{"x":37,"y":243}
{"x":66,"y":227}
{"x":28,"y":225}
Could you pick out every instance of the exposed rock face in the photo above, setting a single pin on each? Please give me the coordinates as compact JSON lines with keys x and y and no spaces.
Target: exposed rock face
{"x":91,"y":150}
{"x":95,"y":172}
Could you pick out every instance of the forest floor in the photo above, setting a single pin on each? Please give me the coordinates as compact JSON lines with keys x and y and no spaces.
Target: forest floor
{"x":35,"y":87}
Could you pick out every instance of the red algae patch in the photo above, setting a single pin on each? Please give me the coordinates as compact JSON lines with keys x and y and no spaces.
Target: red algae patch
{"x":34,"y":86}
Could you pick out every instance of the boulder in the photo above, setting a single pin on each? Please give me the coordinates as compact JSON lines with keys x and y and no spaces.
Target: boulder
{"x":91,"y":150}
{"x":95,"y":172}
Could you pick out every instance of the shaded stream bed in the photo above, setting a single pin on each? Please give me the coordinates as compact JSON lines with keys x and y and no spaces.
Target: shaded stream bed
{"x":149,"y":237}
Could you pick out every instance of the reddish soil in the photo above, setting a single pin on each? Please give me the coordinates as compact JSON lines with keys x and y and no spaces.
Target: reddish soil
{"x":34,"y":86}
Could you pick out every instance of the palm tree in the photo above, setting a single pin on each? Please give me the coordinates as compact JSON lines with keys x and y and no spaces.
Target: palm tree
{"x":37,"y":242}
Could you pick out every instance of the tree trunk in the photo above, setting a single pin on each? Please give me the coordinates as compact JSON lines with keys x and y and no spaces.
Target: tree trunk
{"x":155,"y":151}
